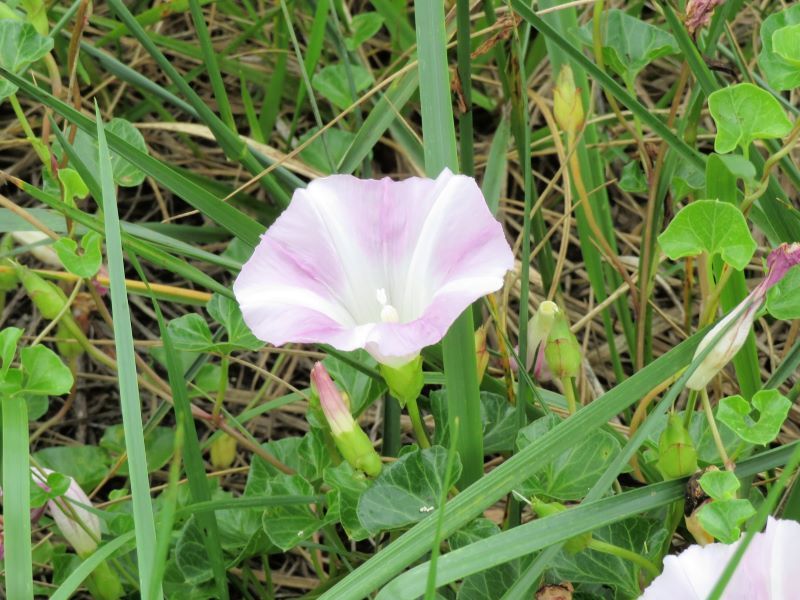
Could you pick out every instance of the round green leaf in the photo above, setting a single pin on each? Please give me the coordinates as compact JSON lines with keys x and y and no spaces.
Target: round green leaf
{"x":719,"y":485}
{"x":364,"y":26}
{"x":85,"y":263}
{"x":772,"y":408}
{"x":776,"y":60}
{"x":786,"y":43}
{"x":43,"y":372}
{"x":723,"y":518}
{"x":709,"y":226}
{"x":743,"y":113}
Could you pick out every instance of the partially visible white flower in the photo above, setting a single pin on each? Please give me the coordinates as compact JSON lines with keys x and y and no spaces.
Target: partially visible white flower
{"x":767,"y":571}
{"x":43,"y":252}
{"x":79,"y":527}
{"x":779,"y":262}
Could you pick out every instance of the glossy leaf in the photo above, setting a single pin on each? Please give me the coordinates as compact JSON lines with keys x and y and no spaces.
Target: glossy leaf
{"x":709,"y":226}
{"x":723,"y":518}
{"x":786,"y":44}
{"x":719,"y":485}
{"x":771,"y":406}
{"x":287,"y":526}
{"x":776,"y":62}
{"x":406,"y":491}
{"x":347,"y":485}
{"x":744,"y":113}
{"x":191,"y":332}
{"x":226,"y":312}
{"x":20,"y":46}
{"x":83,"y":263}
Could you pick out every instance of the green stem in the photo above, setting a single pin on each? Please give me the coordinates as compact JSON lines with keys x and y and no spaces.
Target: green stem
{"x":569,"y":394}
{"x":38,"y":147}
{"x":625,"y":554}
{"x":16,"y":503}
{"x":419,"y":426}
{"x":712,"y":424}
{"x":223,"y":385}
{"x":391,"y":426}
{"x":689,"y":410}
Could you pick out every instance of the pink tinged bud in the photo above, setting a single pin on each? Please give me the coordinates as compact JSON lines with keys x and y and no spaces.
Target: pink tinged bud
{"x":79,"y":527}
{"x":538,"y":329}
{"x":351,"y":441}
{"x":740,"y":319}
{"x":330,"y":398}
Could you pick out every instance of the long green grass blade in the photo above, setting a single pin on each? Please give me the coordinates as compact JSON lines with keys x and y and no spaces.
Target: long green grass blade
{"x":130,"y":405}
{"x":17,"y":499}
{"x":458,"y":346}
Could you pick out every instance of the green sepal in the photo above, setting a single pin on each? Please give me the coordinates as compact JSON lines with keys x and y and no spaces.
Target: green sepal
{"x":405,"y":383}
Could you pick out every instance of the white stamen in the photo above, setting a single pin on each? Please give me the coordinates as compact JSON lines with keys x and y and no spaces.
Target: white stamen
{"x":389,"y":313}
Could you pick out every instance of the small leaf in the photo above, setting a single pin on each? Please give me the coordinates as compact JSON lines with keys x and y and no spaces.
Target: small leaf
{"x":772,"y":408}
{"x":776,"y":61}
{"x":364,"y":26}
{"x":406,"y":491}
{"x":630,"y":44}
{"x":226,"y":312}
{"x":783,"y":299}
{"x":8,"y":347}
{"x":723,"y":518}
{"x":719,"y":485}
{"x":709,"y":226}
{"x":633,"y":180}
{"x":43,"y":372}
{"x":190,"y":332}
{"x":86,"y":263}
{"x":333,"y":83}
{"x":87,"y":465}
{"x":20,"y":46}
{"x":288,"y":525}
{"x":73,"y":185}
{"x":744,"y":113}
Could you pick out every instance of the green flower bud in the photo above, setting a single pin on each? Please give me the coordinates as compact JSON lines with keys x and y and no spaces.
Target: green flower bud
{"x":47,"y":297}
{"x":677,"y":456}
{"x":104,"y":584}
{"x":539,"y":328}
{"x":574,"y":544}
{"x":405,"y":382}
{"x":567,"y":102}
{"x":351,"y":441}
{"x":562,"y":352}
{"x":223,"y":451}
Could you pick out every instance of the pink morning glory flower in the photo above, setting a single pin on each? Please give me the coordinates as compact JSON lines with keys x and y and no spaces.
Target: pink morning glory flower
{"x":779,"y":261}
{"x":767,"y":571}
{"x":376,"y":264}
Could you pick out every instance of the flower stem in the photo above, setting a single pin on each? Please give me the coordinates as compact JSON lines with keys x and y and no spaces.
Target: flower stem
{"x":569,"y":394}
{"x":723,"y":454}
{"x":625,"y":554}
{"x":223,"y":385}
{"x":419,"y":426}
{"x":391,"y":426}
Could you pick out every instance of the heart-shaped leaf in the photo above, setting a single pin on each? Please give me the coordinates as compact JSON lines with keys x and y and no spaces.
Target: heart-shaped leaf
{"x":709,"y":226}
{"x":43,"y":372}
{"x":743,"y":113}
{"x":786,"y":43}
{"x":73,"y":184}
{"x":406,"y":491}
{"x":85,"y":263}
{"x":783,"y":299}
{"x":633,"y":180}
{"x":364,"y":26}
{"x":333,"y":83}
{"x":777,"y":61}
{"x":772,"y":407}
{"x":20,"y":46}
{"x":630,"y":44}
